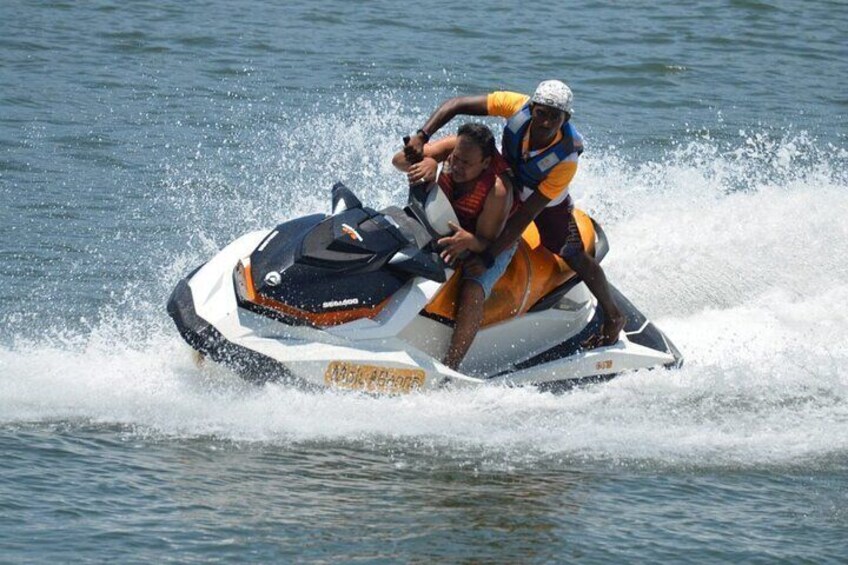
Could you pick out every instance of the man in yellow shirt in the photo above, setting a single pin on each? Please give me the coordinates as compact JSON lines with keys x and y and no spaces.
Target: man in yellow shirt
{"x":542,"y":148}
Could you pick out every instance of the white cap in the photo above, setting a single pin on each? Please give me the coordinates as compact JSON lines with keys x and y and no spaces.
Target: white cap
{"x":554,"y":93}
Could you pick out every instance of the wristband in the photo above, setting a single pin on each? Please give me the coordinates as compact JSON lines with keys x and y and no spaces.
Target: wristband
{"x":487,"y":259}
{"x":424,"y":135}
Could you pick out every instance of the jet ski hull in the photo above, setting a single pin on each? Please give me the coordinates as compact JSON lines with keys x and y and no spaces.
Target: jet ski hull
{"x":205,"y":308}
{"x":389,"y":339}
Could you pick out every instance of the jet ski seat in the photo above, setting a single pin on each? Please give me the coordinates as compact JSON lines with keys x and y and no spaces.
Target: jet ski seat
{"x":535,"y":276}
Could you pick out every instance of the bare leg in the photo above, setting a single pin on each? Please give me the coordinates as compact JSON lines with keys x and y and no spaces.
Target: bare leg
{"x":593,"y":275}
{"x":468,"y":318}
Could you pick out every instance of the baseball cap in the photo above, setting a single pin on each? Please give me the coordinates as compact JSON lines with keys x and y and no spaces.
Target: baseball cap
{"x":554,"y":93}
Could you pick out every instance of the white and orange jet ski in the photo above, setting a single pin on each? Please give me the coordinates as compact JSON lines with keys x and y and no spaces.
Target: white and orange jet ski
{"x":361,"y":300}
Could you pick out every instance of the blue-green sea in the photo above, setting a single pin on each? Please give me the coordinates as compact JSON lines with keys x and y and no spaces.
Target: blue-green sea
{"x":138,"y":138}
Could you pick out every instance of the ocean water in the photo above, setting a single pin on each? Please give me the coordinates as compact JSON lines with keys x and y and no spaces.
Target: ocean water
{"x":136,"y":139}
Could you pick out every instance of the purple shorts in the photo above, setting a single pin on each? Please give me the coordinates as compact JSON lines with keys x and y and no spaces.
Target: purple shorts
{"x":558,"y":229}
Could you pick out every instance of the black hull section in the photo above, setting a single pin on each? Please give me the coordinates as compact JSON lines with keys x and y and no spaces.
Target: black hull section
{"x":201,"y":336}
{"x":565,"y":385}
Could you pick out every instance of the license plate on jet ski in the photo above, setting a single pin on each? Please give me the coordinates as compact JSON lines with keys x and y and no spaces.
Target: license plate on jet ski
{"x":372,"y":378}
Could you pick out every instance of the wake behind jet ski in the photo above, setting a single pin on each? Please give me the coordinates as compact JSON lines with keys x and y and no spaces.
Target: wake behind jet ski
{"x":360,"y":299}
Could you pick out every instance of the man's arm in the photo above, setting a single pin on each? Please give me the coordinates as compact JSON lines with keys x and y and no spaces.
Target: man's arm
{"x":515,"y":226}
{"x":488,"y":226}
{"x":491,"y":219}
{"x":466,"y":105}
{"x":517,"y":223}
{"x":551,"y":187}
{"x":438,"y":150}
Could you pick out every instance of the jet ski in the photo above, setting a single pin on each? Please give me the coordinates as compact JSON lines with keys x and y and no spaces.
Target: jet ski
{"x":360,"y":300}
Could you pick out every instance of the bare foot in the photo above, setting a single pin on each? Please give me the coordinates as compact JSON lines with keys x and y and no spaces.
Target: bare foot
{"x":591,"y":342}
{"x":612,"y":327}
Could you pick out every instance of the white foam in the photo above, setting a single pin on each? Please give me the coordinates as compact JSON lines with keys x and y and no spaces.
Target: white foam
{"x":749,"y":282}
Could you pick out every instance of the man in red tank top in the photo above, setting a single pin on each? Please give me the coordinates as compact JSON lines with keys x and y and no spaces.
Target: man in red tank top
{"x":475,"y":180}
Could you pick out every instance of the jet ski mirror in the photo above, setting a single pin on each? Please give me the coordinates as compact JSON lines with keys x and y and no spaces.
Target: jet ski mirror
{"x":439,"y":211}
{"x":428,"y":203}
{"x":344,"y":199}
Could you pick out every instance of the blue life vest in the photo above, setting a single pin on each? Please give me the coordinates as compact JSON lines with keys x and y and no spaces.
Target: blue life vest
{"x":531,"y":172}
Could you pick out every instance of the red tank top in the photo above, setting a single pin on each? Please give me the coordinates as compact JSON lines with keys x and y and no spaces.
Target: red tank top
{"x":469,"y":204}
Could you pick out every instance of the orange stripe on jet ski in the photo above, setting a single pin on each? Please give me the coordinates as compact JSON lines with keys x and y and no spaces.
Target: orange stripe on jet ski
{"x":322,"y":319}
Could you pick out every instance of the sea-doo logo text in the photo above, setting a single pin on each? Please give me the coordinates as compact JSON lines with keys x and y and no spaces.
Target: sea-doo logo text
{"x":340,"y":303}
